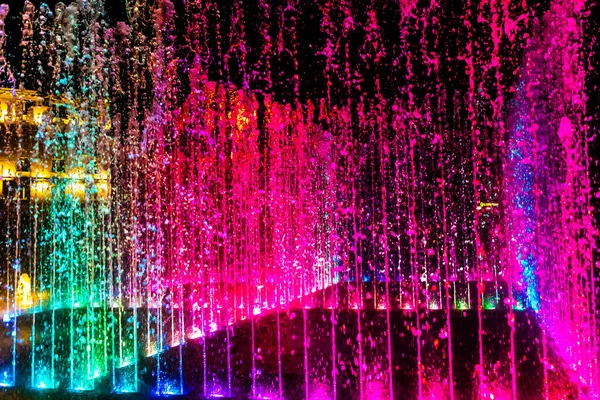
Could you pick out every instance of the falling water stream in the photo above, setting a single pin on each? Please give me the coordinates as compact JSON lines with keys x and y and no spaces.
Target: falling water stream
{"x":297,"y":199}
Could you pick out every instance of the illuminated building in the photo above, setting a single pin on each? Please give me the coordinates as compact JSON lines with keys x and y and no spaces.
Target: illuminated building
{"x":30,"y":172}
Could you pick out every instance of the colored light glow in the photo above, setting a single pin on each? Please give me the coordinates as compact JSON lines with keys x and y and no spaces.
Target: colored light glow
{"x":521,"y":185}
{"x":125,"y":389}
{"x":126,"y":362}
{"x":38,"y":113}
{"x":41,"y":189}
{"x":7,"y":378}
{"x":169,"y":388}
{"x":126,"y":380}
{"x":489,"y":303}
{"x":43,"y":380}
{"x":152,"y":352}
{"x":518,"y":306}
{"x":462,"y":305}
{"x":483,"y":205}
{"x":24,"y":295}
{"x":196,"y":333}
{"x":215,"y":391}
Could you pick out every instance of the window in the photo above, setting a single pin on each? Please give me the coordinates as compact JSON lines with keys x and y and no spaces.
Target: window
{"x":24,"y":165}
{"x":58,"y":166}
{"x":11,"y":189}
{"x":61,"y":112}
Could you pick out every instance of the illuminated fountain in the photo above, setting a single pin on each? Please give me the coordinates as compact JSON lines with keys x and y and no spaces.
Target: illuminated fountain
{"x":259,"y":199}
